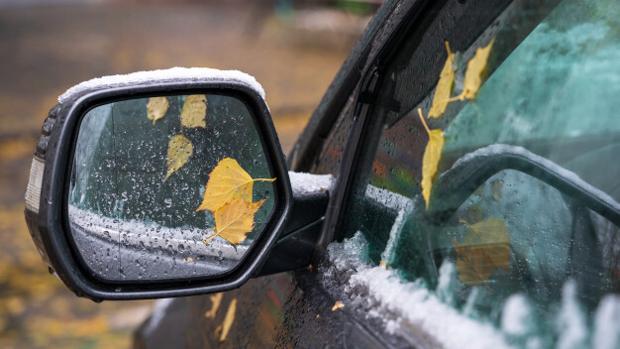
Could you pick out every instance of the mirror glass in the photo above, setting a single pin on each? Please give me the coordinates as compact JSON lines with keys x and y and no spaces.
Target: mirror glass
{"x":168,"y":187}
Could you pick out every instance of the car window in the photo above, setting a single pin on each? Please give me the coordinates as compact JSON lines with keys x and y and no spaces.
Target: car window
{"x":522,"y":128}
{"x":330,"y":157}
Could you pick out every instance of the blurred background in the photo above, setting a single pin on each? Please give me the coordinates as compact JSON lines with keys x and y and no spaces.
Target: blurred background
{"x":293,"y":47}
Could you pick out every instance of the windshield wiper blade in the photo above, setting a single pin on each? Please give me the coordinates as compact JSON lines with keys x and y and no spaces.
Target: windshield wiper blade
{"x":455,"y":185}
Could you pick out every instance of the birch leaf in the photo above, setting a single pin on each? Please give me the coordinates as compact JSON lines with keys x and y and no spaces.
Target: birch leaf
{"x":441,"y":98}
{"x":475,"y":70}
{"x":228,"y":319}
{"x":235,"y":220}
{"x":216,"y":300}
{"x":194,"y":112}
{"x":430,"y":159}
{"x":180,"y":149}
{"x":485,"y":249}
{"x":156,"y":108}
{"x":228,"y":181}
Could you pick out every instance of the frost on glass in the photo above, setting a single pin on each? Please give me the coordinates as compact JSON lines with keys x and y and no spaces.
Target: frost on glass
{"x":138,"y":179}
{"x":521,"y":262}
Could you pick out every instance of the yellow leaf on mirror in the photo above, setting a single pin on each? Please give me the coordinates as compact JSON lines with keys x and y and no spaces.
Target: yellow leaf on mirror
{"x":430,"y":159}
{"x":156,"y":108}
{"x":180,"y":149}
{"x":475,"y":70}
{"x":441,"y":97}
{"x":484,"y":250}
{"x":228,"y":319}
{"x":228,"y":181}
{"x":235,"y":220}
{"x":216,"y":300}
{"x":194,"y":112}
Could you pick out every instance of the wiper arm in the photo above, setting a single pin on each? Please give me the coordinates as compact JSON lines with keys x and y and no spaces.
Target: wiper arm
{"x":455,"y":185}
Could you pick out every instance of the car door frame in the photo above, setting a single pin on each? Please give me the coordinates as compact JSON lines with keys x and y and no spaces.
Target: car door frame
{"x":412,"y":20}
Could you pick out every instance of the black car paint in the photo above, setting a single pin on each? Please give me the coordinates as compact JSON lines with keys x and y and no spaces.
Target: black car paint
{"x":307,"y":319}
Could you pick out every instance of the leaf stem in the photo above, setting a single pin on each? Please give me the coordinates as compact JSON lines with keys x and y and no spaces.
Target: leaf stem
{"x":208,"y":239}
{"x":264,"y":179}
{"x":428,"y":130}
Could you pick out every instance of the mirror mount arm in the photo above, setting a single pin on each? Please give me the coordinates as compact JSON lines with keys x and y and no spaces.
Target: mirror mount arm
{"x":296,"y":245}
{"x":455,"y":185}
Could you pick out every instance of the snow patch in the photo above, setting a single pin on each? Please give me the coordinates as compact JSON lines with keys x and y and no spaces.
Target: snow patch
{"x":307,"y":183}
{"x":407,"y":303}
{"x":165,"y":75}
{"x":516,"y":315}
{"x":606,"y":320}
{"x":571,"y":322}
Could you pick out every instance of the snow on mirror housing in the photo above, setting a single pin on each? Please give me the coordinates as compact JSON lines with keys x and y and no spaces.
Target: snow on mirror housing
{"x":158,"y":187}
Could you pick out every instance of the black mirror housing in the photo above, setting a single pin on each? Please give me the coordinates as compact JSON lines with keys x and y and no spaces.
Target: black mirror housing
{"x":46,"y":197}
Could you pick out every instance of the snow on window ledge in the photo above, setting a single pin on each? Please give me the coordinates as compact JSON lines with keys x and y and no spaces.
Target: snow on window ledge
{"x":415,"y":313}
{"x":402,"y":307}
{"x":304,"y":184}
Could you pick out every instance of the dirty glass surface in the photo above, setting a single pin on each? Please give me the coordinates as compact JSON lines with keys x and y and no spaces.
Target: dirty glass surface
{"x":520,"y":251}
{"x":332,"y":150}
{"x":168,"y":187}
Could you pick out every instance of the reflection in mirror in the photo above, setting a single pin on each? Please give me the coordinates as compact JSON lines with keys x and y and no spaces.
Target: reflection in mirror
{"x":168,"y":187}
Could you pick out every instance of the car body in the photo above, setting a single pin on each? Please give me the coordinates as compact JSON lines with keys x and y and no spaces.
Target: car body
{"x":492,"y":221}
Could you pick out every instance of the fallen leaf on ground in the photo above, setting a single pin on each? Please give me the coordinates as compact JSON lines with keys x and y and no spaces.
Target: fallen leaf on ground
{"x":235,"y":220}
{"x":430,"y":160}
{"x":180,"y":149}
{"x":474,"y":73}
{"x":216,"y":300}
{"x":228,"y":319}
{"x":441,"y":97}
{"x":156,"y":108}
{"x":194,"y":112}
{"x":484,"y":250}
{"x":337,"y":306}
{"x":228,"y":181}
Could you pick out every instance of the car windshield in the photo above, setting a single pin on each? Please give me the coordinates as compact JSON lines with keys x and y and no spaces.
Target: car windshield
{"x":526,"y":255}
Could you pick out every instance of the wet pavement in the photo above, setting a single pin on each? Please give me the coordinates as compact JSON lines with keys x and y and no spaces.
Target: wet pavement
{"x":45,"y":50}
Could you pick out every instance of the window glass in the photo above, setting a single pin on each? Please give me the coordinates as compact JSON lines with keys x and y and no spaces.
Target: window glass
{"x":149,"y":193}
{"x":329,"y":159}
{"x":494,"y":197}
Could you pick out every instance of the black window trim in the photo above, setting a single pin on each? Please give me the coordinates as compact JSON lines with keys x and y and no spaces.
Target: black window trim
{"x":364,"y":100}
{"x":365,"y":129}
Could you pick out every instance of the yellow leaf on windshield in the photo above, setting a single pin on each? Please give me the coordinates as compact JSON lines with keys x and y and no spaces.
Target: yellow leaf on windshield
{"x":235,"y":220}
{"x":474,"y":73}
{"x":484,"y":250}
{"x":441,"y":98}
{"x":156,"y":108}
{"x":194,"y":112}
{"x":430,"y":160}
{"x":228,"y":181}
{"x":180,"y":149}
{"x":228,"y":320}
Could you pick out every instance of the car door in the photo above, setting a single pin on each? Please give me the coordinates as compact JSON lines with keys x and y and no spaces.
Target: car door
{"x":398,"y":276}
{"x":284,"y":310}
{"x":481,"y":205}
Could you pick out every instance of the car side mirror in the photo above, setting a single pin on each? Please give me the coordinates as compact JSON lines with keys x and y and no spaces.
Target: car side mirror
{"x":162,"y":183}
